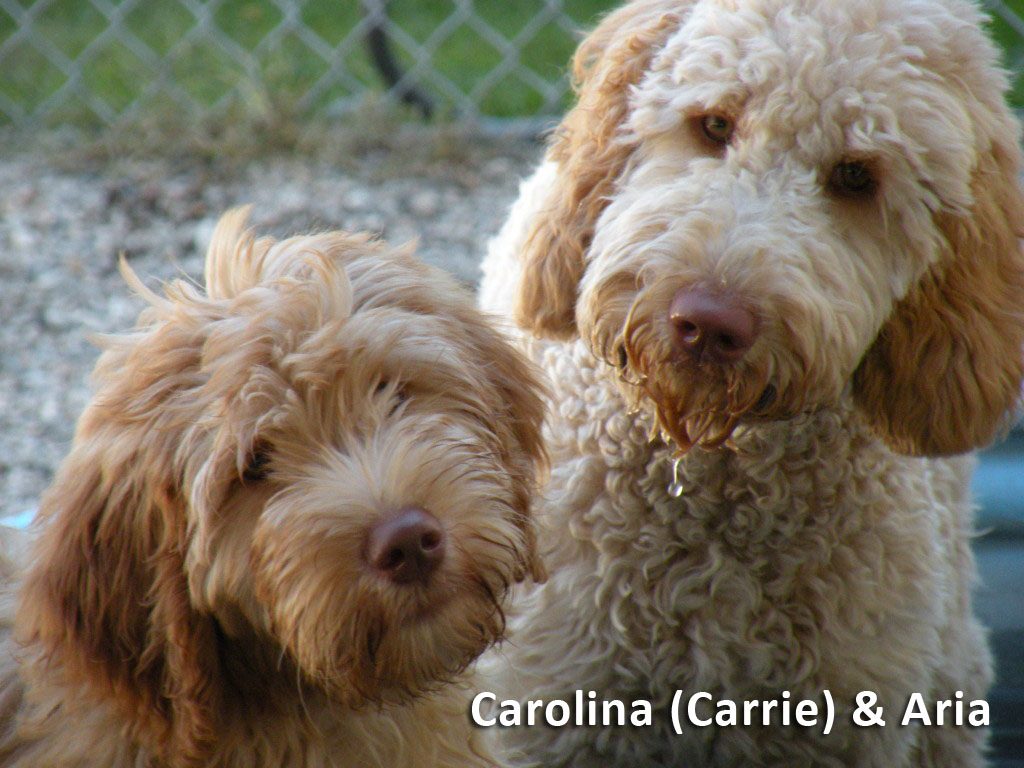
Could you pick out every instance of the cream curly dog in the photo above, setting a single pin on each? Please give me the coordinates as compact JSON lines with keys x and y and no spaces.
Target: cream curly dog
{"x":286,"y":525}
{"x":782,"y":237}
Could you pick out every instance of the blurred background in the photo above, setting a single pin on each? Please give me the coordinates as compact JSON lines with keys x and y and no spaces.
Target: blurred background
{"x":129,"y":125}
{"x":99,"y":62}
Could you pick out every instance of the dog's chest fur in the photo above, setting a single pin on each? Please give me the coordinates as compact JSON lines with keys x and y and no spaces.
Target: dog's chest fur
{"x":797,"y":531}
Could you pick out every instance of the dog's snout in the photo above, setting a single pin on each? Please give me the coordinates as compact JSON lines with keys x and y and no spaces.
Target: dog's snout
{"x":407,"y":547}
{"x":711,"y":326}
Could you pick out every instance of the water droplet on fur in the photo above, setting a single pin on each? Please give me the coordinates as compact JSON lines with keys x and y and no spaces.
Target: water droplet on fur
{"x":675,"y":488}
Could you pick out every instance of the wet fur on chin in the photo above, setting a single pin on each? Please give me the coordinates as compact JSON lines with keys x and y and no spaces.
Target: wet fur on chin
{"x":197,"y":594}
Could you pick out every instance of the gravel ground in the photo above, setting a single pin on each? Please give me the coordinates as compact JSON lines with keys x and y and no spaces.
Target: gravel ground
{"x":63,"y":225}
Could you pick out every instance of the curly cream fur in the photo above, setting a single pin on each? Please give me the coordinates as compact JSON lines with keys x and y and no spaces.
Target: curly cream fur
{"x":811,"y":548}
{"x":592,"y":153}
{"x":179,"y":611}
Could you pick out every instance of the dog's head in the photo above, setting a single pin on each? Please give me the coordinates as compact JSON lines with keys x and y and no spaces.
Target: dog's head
{"x":761,"y":206}
{"x":314,"y":475}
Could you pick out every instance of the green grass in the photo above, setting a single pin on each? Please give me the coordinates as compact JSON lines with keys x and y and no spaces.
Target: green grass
{"x":285,"y":69}
{"x":1010,"y":40}
{"x":282,"y":78}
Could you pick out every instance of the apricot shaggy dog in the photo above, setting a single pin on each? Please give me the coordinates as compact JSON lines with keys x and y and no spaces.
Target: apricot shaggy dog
{"x":286,"y":525}
{"x":782,"y":236}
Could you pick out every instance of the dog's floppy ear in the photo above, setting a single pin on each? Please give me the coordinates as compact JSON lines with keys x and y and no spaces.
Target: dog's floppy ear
{"x":590,"y":152}
{"x":514,"y":408}
{"x":105,"y":601}
{"x":944,"y":374}
{"x":519,"y":381}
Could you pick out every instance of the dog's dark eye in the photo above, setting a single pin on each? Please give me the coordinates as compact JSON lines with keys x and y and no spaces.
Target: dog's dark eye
{"x":258,"y":466}
{"x":717,"y":129}
{"x":853,"y":178}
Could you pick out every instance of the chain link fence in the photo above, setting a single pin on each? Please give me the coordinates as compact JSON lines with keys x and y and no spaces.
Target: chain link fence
{"x":103,"y":62}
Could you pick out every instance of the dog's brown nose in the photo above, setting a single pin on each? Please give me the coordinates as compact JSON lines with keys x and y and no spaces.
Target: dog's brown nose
{"x":711,"y":326}
{"x":407,"y":547}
